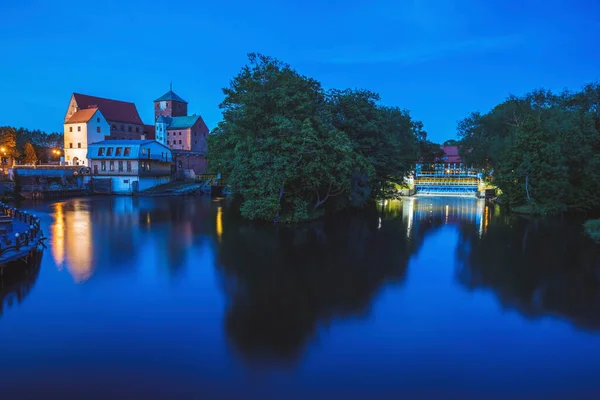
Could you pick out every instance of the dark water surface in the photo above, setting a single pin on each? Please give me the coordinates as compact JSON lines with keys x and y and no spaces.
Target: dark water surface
{"x":175,"y":298}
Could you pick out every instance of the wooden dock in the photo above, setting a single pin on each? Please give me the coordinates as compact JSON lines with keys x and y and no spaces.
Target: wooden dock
{"x":21,"y":237}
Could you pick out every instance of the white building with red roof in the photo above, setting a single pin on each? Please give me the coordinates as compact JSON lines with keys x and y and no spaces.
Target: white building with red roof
{"x":123,"y":116}
{"x":82,"y":128}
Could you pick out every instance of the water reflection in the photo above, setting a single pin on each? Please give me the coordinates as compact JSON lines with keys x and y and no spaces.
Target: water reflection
{"x":537,"y":267}
{"x":287,"y":283}
{"x":114,"y":233}
{"x":72,"y":239}
{"x":16,"y":282}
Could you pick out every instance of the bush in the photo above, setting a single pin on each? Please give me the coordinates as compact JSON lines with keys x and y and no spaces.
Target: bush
{"x":592,"y":228}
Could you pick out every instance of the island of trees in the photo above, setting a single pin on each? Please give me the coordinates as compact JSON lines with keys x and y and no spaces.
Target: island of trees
{"x":291,"y":150}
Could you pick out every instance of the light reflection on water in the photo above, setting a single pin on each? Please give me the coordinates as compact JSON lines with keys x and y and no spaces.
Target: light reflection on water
{"x":452,"y":291}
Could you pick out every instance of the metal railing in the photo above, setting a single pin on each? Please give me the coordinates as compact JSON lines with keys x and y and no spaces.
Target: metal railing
{"x":31,"y":235}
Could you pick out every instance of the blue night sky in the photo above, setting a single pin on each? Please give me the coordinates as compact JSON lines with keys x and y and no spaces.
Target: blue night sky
{"x":441,"y":59}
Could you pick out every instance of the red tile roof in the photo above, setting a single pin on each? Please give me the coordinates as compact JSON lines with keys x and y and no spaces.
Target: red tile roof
{"x":113,"y":110}
{"x":82,"y":116}
{"x":451,"y":154}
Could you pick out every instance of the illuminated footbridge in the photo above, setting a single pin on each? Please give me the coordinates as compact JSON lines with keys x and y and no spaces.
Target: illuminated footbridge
{"x":447,"y":186}
{"x":447,"y":176}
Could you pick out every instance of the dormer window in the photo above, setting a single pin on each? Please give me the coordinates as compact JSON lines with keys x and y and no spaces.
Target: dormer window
{"x":127,"y":151}
{"x":119,"y":151}
{"x":109,"y":151}
{"x":100,"y":151}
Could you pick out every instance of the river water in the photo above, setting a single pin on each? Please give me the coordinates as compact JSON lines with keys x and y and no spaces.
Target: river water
{"x":176,"y":298}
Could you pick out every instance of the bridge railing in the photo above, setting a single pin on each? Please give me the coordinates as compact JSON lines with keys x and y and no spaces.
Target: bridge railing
{"x":30,"y":233}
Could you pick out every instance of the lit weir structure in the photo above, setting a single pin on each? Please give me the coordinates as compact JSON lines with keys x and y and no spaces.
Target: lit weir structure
{"x":447,"y":176}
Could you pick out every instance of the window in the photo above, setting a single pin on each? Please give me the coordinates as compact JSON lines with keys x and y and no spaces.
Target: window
{"x":78,"y":145}
{"x":112,"y":165}
{"x":98,"y":129}
{"x":120,"y":165}
{"x":100,"y":151}
{"x":127,"y":151}
{"x":70,"y":145}
{"x":125,"y":180}
{"x":70,"y":129}
{"x":195,"y":133}
{"x":118,"y":151}
{"x":128,"y":166}
{"x":129,"y":128}
{"x":167,"y":142}
{"x":109,"y":152}
{"x":78,"y":129}
{"x":114,"y":126}
{"x":180,"y":142}
{"x":98,"y":119}
{"x":122,"y":127}
{"x":143,"y":152}
{"x":180,"y":133}
{"x":137,"y":129}
{"x":103,"y":165}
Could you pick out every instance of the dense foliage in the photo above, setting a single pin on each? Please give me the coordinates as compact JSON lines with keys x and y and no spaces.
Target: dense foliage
{"x":542,"y":149}
{"x":290,"y":149}
{"x":18,"y":144}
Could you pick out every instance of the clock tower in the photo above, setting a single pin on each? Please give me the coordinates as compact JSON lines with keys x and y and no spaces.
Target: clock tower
{"x":170,"y":105}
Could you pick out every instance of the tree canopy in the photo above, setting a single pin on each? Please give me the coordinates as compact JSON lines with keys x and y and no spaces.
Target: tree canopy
{"x":14,"y":142}
{"x":541,"y":149}
{"x":290,"y":149}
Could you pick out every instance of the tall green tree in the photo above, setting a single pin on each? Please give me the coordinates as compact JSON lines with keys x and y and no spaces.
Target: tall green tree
{"x":542,"y":148}
{"x":275,"y":144}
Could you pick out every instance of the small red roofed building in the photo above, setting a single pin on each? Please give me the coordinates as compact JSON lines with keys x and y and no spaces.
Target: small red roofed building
{"x":123,"y":116}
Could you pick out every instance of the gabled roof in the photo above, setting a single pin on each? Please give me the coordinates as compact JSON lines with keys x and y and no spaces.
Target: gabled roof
{"x":170,"y":95}
{"x":82,"y":116}
{"x":183,"y":122}
{"x":451,"y":152}
{"x":113,"y":110}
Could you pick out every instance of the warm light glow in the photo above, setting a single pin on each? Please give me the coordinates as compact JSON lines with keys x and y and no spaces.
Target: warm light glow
{"x":219,"y":223}
{"x":72,"y":241}
{"x":58,"y":236}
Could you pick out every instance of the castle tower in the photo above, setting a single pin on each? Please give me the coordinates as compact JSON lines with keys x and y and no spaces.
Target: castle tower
{"x":170,"y":105}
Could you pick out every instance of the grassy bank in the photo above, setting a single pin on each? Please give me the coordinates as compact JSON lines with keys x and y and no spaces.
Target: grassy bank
{"x":592,"y":228}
